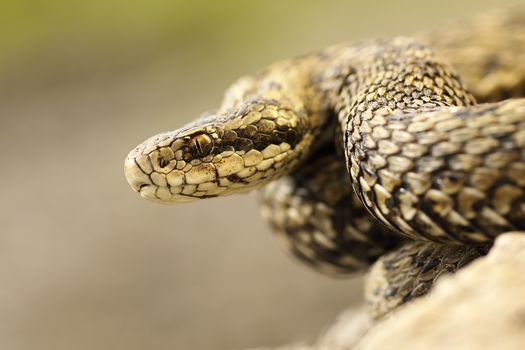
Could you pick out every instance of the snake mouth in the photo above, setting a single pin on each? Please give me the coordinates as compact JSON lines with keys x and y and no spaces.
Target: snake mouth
{"x":141,"y":186}
{"x":150,"y":192}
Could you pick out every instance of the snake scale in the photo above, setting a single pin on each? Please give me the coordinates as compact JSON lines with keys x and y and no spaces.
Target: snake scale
{"x":426,"y":134}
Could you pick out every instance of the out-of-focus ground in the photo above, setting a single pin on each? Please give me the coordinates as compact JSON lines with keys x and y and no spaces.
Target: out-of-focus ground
{"x":85,"y":263}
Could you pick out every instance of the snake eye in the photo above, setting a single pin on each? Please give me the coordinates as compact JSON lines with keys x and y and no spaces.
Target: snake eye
{"x":201,"y":145}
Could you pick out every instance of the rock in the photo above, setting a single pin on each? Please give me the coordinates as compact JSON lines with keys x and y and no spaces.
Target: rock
{"x":481,"y":307}
{"x":349,"y":328}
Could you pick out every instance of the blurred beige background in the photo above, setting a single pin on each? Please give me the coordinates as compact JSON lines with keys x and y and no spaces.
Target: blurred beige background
{"x":85,"y":263}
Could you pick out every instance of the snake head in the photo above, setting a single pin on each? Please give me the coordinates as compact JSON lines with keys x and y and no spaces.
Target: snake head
{"x":175,"y":166}
{"x":215,"y":155}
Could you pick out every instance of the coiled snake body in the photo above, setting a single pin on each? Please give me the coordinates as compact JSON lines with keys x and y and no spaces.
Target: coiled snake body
{"x":388,"y":120}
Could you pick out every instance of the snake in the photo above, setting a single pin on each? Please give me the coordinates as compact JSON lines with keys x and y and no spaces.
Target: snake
{"x":406,"y":154}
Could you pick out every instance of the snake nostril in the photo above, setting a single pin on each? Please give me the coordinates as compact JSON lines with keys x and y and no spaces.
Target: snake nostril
{"x":141,"y":186}
{"x":163,"y":162}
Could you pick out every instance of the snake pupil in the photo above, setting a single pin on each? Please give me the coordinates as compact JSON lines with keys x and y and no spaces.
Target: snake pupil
{"x":198,"y":146}
{"x":201,"y":145}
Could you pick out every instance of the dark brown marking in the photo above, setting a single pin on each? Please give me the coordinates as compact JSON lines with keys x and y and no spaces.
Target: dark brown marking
{"x":229,"y":136}
{"x":261,"y":141}
{"x":242,"y":144}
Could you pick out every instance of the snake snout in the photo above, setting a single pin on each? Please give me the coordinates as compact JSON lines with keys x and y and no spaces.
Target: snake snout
{"x":136,"y":177}
{"x":155,"y":178}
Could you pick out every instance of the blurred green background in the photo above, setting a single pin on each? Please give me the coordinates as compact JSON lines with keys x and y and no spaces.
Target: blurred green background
{"x":87,"y":264}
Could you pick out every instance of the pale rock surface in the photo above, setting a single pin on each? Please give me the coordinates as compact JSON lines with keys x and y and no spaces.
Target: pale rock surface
{"x":481,"y":307}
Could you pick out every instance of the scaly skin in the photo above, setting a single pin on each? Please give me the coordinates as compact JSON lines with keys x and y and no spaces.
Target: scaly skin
{"x":423,"y":158}
{"x":410,"y":272}
{"x":320,"y":220}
